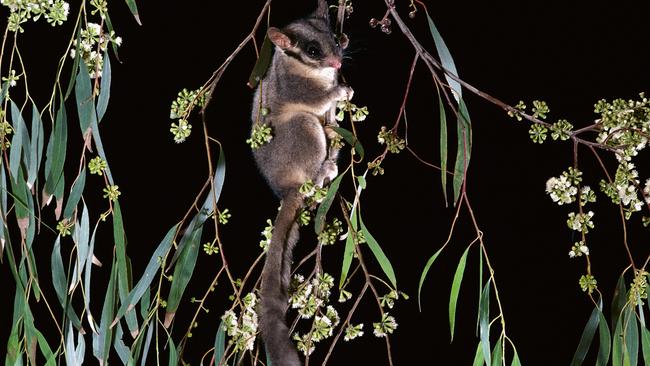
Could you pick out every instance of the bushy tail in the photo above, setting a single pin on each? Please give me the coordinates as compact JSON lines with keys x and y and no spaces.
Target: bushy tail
{"x":275,"y":284}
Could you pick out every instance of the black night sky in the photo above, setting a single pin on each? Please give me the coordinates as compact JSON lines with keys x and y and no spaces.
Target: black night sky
{"x":569,"y":54}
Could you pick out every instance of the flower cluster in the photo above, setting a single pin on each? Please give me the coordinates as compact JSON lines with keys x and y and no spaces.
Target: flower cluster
{"x":312,"y":192}
{"x":624,"y":125}
{"x":561,"y":130}
{"x":385,"y":326}
{"x":91,"y":46}
{"x":260,"y":135}
{"x":112,"y":192}
{"x":20,"y":11}
{"x":639,"y":287}
{"x":538,"y":132}
{"x":353,"y":331}
{"x":224,"y":216}
{"x":181,"y":108}
{"x":394,"y":143}
{"x":578,"y":249}
{"x":242,"y":330}
{"x":357,"y":114}
{"x":588,"y":283}
{"x":97,"y":165}
{"x":311,"y":298}
{"x":563,"y":189}
{"x":267,"y":233}
{"x":520,"y":107}
{"x":330,"y":233}
{"x":581,"y":221}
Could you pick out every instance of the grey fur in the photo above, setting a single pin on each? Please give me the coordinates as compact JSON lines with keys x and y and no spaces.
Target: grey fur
{"x":298,"y":93}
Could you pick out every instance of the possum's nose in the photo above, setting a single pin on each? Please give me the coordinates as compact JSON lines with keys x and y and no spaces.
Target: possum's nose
{"x":334,"y":62}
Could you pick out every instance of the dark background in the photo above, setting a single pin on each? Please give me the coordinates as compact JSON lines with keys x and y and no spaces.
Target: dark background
{"x":566,"y":53}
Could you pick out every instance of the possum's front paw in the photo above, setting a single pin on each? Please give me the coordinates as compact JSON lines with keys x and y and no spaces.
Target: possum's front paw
{"x":328,"y":172}
{"x":345,"y":93}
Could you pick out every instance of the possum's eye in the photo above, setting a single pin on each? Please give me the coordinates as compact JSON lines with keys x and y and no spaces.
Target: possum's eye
{"x":313,"y":50}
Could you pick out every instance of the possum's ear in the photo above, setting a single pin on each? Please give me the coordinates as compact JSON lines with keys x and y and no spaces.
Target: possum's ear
{"x":322,"y":11}
{"x":278,"y":38}
{"x":343,"y":41}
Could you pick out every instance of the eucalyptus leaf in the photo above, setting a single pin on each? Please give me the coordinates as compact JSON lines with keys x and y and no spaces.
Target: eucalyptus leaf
{"x":56,"y":153}
{"x":105,"y":91}
{"x":348,"y":252}
{"x":183,"y":271}
{"x":463,"y":148}
{"x":497,"y":353}
{"x":587,"y":337}
{"x":75,"y":194}
{"x":85,"y":99}
{"x":262,"y":64}
{"x":384,"y":263}
{"x":425,"y":271}
{"x":134,"y":10}
{"x":20,"y":132}
{"x":484,"y":321}
{"x":605,"y":339}
{"x":123,"y":283}
{"x":220,"y":343}
{"x":455,"y":288}
{"x":478,"y":356}
{"x":145,"y":281}
{"x":35,"y":148}
{"x":445,"y":59}
{"x":443,"y":147}
{"x":323,"y":208}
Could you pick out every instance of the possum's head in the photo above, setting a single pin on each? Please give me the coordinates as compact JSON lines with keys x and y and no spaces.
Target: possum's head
{"x":311,"y":41}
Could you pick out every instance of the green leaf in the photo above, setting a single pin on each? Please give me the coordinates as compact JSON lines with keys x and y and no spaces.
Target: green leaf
{"x":147,"y":345}
{"x":220,"y":344}
{"x":208,"y":205}
{"x":323,"y":208}
{"x":455,"y":288}
{"x":463,"y":148}
{"x":20,"y":133}
{"x":348,"y":252}
{"x":19,"y":190}
{"x":631,"y":336}
{"x":443,"y":147}
{"x":36,"y":147}
{"x":515,"y":357}
{"x":56,"y":154}
{"x":618,"y":300}
{"x":445,"y":58}
{"x":173,"y":354}
{"x":134,"y":10}
{"x":425,"y":271}
{"x":123,"y":278}
{"x":497,"y":353}
{"x":75,"y":194}
{"x":262,"y":63}
{"x":85,"y":99}
{"x":645,"y":337}
{"x":75,"y":65}
{"x":58,"y":272}
{"x":587,"y":337}
{"x":152,"y":268}
{"x":105,"y":91}
{"x":120,"y":348}
{"x":384,"y":263}
{"x":351,"y":139}
{"x":102,"y":339}
{"x":605,"y":339}
{"x":484,"y":321}
{"x":478,"y":356}
{"x":183,"y":271}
